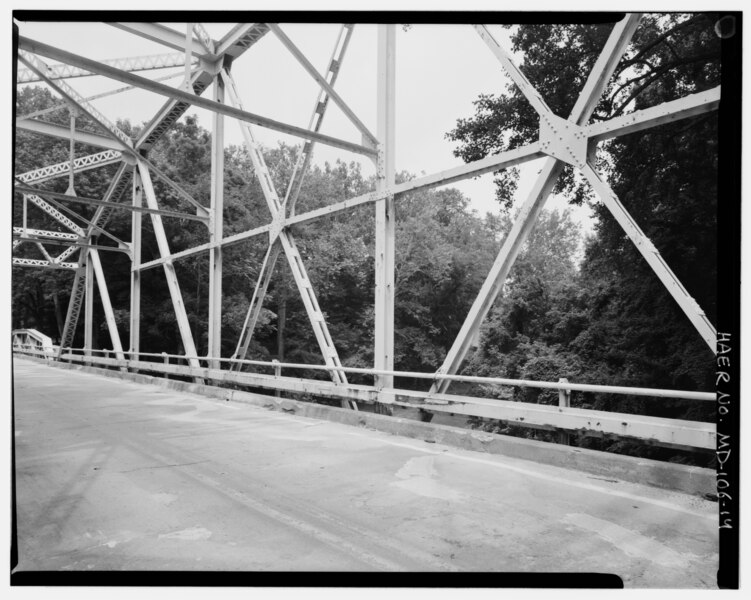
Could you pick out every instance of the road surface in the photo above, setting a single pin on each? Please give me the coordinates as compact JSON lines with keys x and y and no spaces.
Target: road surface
{"x":114,"y":475}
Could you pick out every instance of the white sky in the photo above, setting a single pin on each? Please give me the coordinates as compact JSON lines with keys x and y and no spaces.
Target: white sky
{"x":441,"y":69}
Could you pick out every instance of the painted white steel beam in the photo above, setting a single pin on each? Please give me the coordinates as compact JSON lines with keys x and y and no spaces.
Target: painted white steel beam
{"x":256,"y":302}
{"x":169,"y":270}
{"x":44,"y":251}
{"x":293,"y":190}
{"x":64,"y":105}
{"x":230,"y":47}
{"x":102,"y":213}
{"x":216,"y":228}
{"x":93,"y":227}
{"x":201,"y":210}
{"x":647,"y":249}
{"x":603,"y":69}
{"x":321,"y":80}
{"x":43,"y":234}
{"x":495,"y":162}
{"x":80,"y":164}
{"x":204,"y":38}
{"x":31,"y":262}
{"x":521,"y":81}
{"x":26,"y":45}
{"x":231,"y":240}
{"x":316,"y":119}
{"x":81,"y":137}
{"x":68,"y":93}
{"x":133,"y":63}
{"x":100,"y":218}
{"x":165,"y":36}
{"x":241,"y":37}
{"x":170,"y":112}
{"x":385,"y":217}
{"x":54,"y":213}
{"x":74,"y":305}
{"x":598,"y":79}
{"x":490,"y":163}
{"x":25,"y":189}
{"x":667,"y":112}
{"x":277,"y":231}
{"x":135,"y":274}
{"x":67,"y":244}
{"x":109,"y":314}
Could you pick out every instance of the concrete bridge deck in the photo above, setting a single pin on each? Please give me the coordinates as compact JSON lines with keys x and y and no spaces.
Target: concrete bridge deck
{"x":114,"y":475}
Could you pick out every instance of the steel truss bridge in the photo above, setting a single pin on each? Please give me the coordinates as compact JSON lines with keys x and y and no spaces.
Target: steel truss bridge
{"x":563,"y":140}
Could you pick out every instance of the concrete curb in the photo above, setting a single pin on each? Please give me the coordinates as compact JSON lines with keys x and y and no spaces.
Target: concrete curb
{"x":683,"y":478}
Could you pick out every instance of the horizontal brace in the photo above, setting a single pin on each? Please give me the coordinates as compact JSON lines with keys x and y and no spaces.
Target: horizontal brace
{"x":84,"y":163}
{"x":42,"y":234}
{"x":25,"y":189}
{"x":165,"y":90}
{"x":228,"y":241}
{"x":30,"y":262}
{"x":83,"y":137}
{"x":135,"y":63}
{"x":667,"y":112}
{"x":59,"y":242}
{"x":488,"y":164}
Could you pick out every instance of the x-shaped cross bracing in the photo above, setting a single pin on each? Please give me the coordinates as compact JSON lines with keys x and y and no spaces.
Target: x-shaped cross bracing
{"x":562,"y":141}
{"x":566,"y":141}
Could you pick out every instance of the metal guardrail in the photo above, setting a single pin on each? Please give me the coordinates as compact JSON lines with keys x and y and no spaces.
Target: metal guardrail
{"x":562,"y":418}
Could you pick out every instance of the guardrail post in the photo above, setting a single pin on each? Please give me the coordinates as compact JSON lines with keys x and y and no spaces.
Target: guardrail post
{"x":564,"y":401}
{"x":166,"y":362}
{"x":277,"y":373}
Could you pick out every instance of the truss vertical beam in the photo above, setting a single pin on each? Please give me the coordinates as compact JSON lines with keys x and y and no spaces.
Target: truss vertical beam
{"x":216,"y":231}
{"x":72,"y":162}
{"x":135,"y":272}
{"x":593,"y":88}
{"x":643,"y":244}
{"x":104,"y":295}
{"x":183,"y":324}
{"x":88,"y":315}
{"x":384,"y":208}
